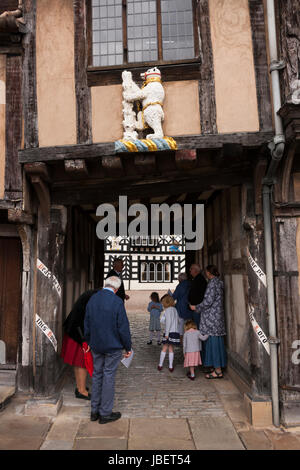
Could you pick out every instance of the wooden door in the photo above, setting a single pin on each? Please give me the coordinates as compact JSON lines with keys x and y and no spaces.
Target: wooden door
{"x":10,"y":295}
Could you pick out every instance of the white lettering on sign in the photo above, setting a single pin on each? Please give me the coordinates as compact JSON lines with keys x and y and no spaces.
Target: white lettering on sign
{"x":259,"y":332}
{"x":47,"y":273}
{"x":46,"y":330}
{"x":259,"y":272}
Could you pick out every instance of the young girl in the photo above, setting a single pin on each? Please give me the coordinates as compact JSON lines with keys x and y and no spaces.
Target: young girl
{"x":191,"y":347}
{"x":171,"y":336}
{"x":155,"y":308}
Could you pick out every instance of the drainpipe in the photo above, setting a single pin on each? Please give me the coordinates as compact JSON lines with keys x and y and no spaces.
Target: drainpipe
{"x":277,"y":150}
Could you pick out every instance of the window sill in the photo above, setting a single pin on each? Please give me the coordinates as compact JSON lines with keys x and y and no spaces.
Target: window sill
{"x":173,"y":71}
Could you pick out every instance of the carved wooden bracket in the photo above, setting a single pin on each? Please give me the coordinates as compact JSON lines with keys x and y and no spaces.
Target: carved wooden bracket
{"x":112,"y":165}
{"x":186,"y":159}
{"x":25,"y":233}
{"x":145,"y":163}
{"x":76,"y":167}
{"x":39,"y":176}
{"x":286,"y":175}
{"x":19,"y":216}
{"x":13,"y":21}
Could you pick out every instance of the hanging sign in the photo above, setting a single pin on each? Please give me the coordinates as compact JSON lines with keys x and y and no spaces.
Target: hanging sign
{"x":47,"y":273}
{"x":259,"y":272}
{"x":46,"y":330}
{"x":259,"y":332}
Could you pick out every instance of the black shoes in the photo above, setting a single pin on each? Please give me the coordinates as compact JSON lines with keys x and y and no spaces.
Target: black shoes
{"x":94,"y":416}
{"x":80,"y":395}
{"x":110,"y":418}
{"x":149,"y":342}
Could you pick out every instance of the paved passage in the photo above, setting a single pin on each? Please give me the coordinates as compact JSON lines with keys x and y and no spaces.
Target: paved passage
{"x":143,"y":391}
{"x":160,"y":411}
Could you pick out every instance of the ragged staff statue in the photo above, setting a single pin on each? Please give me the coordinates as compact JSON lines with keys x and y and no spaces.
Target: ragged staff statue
{"x":151,"y":95}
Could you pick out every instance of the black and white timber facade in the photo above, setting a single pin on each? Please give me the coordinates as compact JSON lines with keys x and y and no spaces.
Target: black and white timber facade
{"x":150,"y":263}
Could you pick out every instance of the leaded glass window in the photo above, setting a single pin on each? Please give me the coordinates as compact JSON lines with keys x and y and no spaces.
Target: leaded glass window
{"x":133,"y":31}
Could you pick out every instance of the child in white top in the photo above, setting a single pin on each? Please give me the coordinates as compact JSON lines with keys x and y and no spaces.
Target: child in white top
{"x":191,"y":347}
{"x":171,"y":336}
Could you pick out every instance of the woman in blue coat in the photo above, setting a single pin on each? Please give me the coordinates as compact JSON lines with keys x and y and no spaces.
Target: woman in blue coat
{"x":212,"y":323}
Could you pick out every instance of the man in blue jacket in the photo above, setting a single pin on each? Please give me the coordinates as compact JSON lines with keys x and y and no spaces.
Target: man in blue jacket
{"x":107,"y":332}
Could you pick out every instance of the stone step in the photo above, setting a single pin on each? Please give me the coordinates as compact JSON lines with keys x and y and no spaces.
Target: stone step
{"x":8,"y":377}
{"x":6,"y":392}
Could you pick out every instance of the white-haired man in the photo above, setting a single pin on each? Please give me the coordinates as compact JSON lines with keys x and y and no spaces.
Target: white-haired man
{"x":107,"y":332}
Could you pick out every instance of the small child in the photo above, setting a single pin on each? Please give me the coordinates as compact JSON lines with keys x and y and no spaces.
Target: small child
{"x":191,"y":347}
{"x":155,"y":308}
{"x":171,"y":336}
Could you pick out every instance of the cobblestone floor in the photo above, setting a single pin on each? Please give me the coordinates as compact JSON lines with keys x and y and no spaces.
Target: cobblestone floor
{"x":143,"y":391}
{"x":206,"y":414}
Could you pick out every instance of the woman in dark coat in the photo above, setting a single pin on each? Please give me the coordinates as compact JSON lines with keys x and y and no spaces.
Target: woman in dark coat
{"x":181,"y":295}
{"x":212,"y":323}
{"x":72,"y":351}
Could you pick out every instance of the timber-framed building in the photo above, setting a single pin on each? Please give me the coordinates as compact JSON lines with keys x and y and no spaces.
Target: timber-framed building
{"x":237,"y":153}
{"x":150,"y":262}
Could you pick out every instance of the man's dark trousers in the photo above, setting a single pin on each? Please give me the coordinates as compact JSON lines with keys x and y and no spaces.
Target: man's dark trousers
{"x":103,"y":381}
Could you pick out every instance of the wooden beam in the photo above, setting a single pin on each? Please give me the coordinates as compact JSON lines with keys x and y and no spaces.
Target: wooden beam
{"x":37,"y":168}
{"x":82,"y":91}
{"x":292,"y":131}
{"x":92,"y":151}
{"x":13,"y":131}
{"x":288,"y":17}
{"x":259,"y":39}
{"x":186,"y":159}
{"x":76,"y":167}
{"x":259,"y":174}
{"x":105,"y":191}
{"x":145,"y":163}
{"x":42,"y":191}
{"x":31,"y":138}
{"x":206,"y":77}
{"x":288,"y":112}
{"x":286,"y":174}
{"x":169,"y":72}
{"x":112,"y":166}
{"x":19,"y":216}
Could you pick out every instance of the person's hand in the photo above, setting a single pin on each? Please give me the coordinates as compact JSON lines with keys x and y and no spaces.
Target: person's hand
{"x":127,"y":297}
{"x":128,"y":353}
{"x":193,"y":307}
{"x":86,"y":350}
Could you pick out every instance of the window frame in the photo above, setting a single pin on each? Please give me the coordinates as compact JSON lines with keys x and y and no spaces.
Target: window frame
{"x":155,"y":263}
{"x":171,"y":69}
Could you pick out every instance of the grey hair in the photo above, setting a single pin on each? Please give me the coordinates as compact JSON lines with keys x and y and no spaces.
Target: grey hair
{"x":182,"y":277}
{"x":113,"y":281}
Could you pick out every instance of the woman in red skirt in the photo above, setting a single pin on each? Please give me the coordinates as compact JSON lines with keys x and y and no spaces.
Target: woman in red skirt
{"x":72,"y":351}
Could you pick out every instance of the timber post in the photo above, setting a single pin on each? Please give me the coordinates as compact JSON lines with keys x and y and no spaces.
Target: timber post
{"x":48,"y":275}
{"x":258,"y":400}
